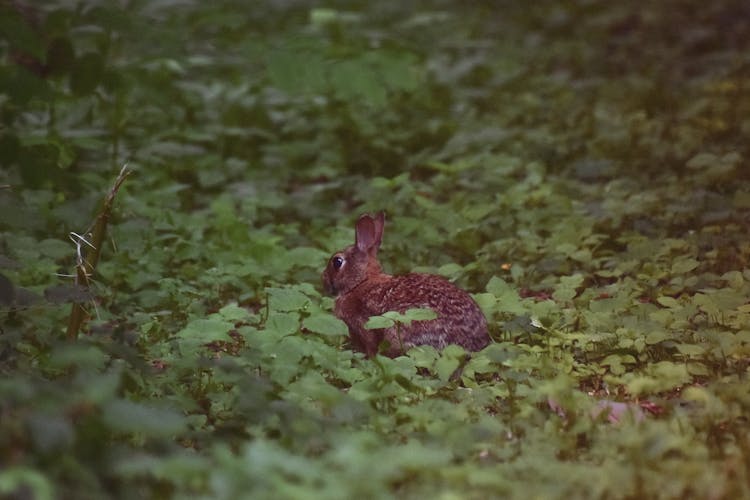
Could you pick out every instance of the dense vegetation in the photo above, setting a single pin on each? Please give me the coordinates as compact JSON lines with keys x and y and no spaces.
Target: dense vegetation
{"x":580,"y":166}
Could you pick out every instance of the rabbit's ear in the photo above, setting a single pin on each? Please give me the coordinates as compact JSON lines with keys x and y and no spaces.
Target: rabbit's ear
{"x":379,"y":221}
{"x":366,"y":233}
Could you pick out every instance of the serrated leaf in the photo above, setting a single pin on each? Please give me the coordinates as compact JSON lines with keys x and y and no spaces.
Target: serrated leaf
{"x":446,"y":365}
{"x":282,"y":324}
{"x":376,"y":322}
{"x":233,"y":312}
{"x":507,"y":297}
{"x":206,"y":330}
{"x":418,"y":314}
{"x":286,"y":299}
{"x":450,"y":270}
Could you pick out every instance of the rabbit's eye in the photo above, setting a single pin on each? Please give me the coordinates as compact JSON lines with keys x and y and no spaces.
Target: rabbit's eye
{"x":337,"y":262}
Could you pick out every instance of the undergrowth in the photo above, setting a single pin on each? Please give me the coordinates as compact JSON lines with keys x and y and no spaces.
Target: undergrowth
{"x":580,"y":167}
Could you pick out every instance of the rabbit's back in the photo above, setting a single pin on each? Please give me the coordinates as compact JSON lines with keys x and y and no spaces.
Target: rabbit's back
{"x":459,"y":319}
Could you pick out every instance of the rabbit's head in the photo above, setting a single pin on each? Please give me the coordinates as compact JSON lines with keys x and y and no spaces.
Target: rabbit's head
{"x":359,"y":262}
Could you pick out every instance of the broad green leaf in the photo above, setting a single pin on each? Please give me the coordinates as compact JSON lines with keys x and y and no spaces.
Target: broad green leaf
{"x":662,"y":376}
{"x":282,"y":324}
{"x":176,"y":467}
{"x":127,"y":416}
{"x":507,"y":297}
{"x":33,"y":482}
{"x":286,"y":299}
{"x":232,"y":312}
{"x":375,"y":322}
{"x":734,"y":279}
{"x":307,"y":257}
{"x":418,"y":314}
{"x":450,"y":270}
{"x":51,"y":433}
{"x":326,"y":324}
{"x":684,"y":265}
{"x":449,"y":361}
{"x":668,"y":302}
{"x":323,"y":16}
{"x":390,"y":318}
{"x":692,"y":350}
{"x":656,"y":336}
{"x":79,"y":356}
{"x":206,"y":330}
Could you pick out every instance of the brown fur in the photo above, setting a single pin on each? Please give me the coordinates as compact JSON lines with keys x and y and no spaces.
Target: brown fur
{"x":362,"y":290}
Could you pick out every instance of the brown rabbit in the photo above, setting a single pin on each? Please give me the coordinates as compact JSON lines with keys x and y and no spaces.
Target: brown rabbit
{"x":362,"y":290}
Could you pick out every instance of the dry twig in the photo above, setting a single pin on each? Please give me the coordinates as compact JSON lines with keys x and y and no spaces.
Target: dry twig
{"x":86,"y":260}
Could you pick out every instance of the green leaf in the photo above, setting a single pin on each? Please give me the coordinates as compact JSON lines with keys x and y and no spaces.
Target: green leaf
{"x":662,"y":376}
{"x":206,"y":330}
{"x":656,"y":336}
{"x":450,"y":270}
{"x":306,"y":257}
{"x":19,"y":31}
{"x":684,"y":265}
{"x":507,"y":296}
{"x":17,"y":481}
{"x":390,"y":318}
{"x":418,"y":314}
{"x":78,"y":355}
{"x":326,"y":324}
{"x":668,"y":302}
{"x":127,"y":416}
{"x":376,"y":322}
{"x":87,"y":73}
{"x":449,"y":361}
{"x":232,"y":312}
{"x":282,"y":324}
{"x":691,"y":350}
{"x":286,"y":299}
{"x":734,"y":279}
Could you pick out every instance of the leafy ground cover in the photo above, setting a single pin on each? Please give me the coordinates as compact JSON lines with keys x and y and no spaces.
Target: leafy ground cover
{"x":580,"y":166}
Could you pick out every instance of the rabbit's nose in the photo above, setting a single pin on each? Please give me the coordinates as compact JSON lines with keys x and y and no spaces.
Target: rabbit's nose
{"x":328,"y":285}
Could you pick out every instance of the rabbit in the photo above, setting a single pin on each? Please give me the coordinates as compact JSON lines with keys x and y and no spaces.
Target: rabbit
{"x":362,"y":290}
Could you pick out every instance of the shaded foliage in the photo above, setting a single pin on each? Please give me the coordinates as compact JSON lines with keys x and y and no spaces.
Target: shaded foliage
{"x":580,"y":165}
